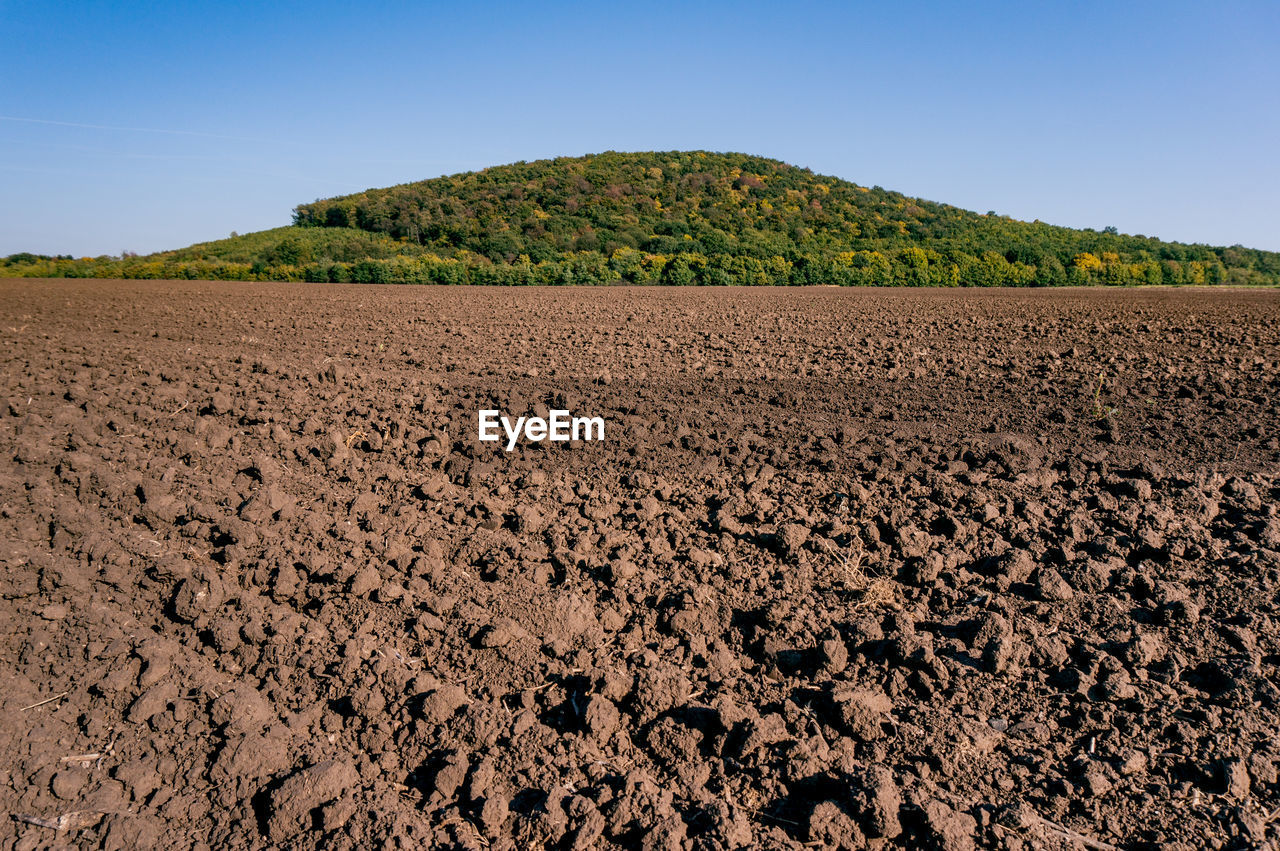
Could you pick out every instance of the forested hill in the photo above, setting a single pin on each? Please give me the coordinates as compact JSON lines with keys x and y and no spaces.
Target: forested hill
{"x":685,"y":218}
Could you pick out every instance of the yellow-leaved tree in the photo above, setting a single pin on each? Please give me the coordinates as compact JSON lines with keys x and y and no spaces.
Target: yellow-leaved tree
{"x":1086,"y":261}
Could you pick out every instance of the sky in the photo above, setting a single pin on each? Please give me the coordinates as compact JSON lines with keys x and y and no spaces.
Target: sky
{"x":131,"y":126}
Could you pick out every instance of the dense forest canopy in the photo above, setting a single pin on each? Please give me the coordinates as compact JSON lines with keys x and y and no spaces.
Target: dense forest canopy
{"x":677,"y":217}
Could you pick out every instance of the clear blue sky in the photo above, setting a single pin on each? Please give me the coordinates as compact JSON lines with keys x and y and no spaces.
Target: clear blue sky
{"x":171,"y":123}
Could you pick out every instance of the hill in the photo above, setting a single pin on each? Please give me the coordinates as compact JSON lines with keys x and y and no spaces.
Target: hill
{"x":674,"y":218}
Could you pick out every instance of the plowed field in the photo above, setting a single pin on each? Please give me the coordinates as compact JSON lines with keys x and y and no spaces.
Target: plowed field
{"x":890,"y":569}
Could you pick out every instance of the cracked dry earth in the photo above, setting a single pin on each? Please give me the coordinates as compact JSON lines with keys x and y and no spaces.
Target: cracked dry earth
{"x":883,"y":569}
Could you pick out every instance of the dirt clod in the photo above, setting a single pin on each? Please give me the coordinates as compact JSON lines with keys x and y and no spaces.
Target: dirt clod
{"x":291,"y":805}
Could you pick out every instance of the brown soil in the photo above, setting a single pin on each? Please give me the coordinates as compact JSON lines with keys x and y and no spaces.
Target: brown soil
{"x":852,"y":568}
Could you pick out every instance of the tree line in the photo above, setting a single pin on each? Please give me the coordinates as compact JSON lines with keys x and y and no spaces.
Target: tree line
{"x":677,"y":218}
{"x":905,"y":267}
